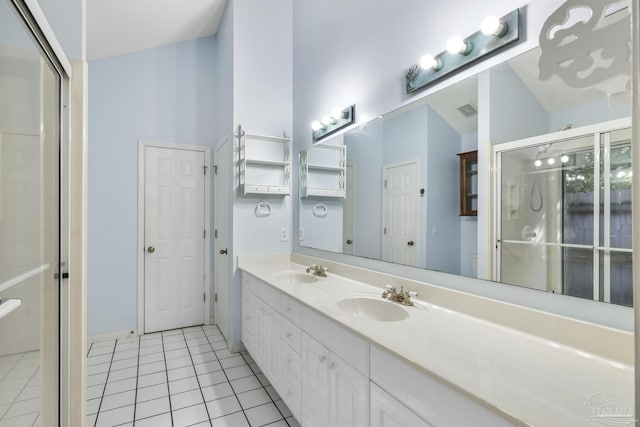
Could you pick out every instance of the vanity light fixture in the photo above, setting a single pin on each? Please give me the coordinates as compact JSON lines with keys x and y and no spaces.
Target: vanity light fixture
{"x":333,"y":123}
{"x":457,"y":45}
{"x":430,"y":62}
{"x":495,"y":34}
{"x":493,"y":26}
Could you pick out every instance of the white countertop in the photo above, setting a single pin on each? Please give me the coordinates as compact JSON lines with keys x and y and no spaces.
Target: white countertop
{"x":533,"y":380}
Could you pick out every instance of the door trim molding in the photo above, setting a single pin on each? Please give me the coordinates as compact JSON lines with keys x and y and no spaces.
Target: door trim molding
{"x":142,"y":145}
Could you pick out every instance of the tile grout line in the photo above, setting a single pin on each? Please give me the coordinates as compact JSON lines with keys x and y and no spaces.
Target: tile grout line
{"x":193,"y":365}
{"x":164,"y":357}
{"x":265,"y":388}
{"x":224,"y":372}
{"x":135,"y":395}
{"x":105,"y":383}
{"x":15,"y":399}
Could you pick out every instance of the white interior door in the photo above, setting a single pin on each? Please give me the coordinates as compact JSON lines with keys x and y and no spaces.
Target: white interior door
{"x":349,"y":213}
{"x":174,"y":238}
{"x":400,"y":213}
{"x":221,"y":235}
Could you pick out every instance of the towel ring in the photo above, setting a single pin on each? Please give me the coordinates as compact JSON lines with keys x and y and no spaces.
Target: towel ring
{"x":263,"y":209}
{"x":320,"y":210}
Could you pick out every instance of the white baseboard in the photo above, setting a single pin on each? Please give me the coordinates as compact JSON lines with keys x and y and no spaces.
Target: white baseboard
{"x":112,"y":336}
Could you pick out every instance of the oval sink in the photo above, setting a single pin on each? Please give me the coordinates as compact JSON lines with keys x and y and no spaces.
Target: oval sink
{"x":374,"y":309}
{"x":298,"y":278}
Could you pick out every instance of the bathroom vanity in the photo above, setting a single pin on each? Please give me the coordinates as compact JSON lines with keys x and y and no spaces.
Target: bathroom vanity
{"x":338,"y":354}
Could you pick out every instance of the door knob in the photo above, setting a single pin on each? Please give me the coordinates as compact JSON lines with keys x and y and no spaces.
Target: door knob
{"x":349,"y":242}
{"x":151,"y":249}
{"x":223,"y":251}
{"x":410,"y":243}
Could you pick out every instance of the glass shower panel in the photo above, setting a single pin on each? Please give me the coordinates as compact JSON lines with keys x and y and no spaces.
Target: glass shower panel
{"x":29,"y":227}
{"x":539,"y":184}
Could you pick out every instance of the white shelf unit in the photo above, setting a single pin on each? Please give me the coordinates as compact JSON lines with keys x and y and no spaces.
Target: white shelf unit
{"x":323,"y":171}
{"x":265,"y":164}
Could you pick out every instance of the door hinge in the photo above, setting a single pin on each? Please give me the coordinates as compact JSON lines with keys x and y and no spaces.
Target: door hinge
{"x":204,"y":297}
{"x":385,"y":183}
{"x":215,"y":233}
{"x":385,"y":230}
{"x":204,"y":168}
{"x":204,"y":234}
{"x":215,"y":297}
{"x":215,"y":169}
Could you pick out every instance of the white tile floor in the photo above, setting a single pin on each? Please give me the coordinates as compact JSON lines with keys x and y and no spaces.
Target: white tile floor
{"x":183,"y":377}
{"x":20,"y":389}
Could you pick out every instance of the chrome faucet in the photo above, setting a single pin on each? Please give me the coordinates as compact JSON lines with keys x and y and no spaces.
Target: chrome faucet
{"x":401,"y":297}
{"x":318,"y":270}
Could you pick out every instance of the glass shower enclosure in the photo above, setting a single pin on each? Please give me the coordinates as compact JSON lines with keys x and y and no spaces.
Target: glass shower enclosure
{"x":563,"y":207}
{"x":30,"y":225}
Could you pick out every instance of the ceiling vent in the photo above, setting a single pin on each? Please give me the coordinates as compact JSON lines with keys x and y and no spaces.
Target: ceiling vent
{"x":468,"y":110}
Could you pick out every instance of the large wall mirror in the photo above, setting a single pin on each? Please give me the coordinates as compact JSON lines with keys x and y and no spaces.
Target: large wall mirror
{"x":404,"y":187}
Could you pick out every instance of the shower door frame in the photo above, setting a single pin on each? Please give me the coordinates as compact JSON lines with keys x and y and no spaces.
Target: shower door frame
{"x":596,"y":130}
{"x":35,"y":22}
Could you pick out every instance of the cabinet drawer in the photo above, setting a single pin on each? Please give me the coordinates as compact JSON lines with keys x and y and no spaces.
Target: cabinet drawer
{"x":290,"y":308}
{"x":291,"y":364}
{"x":291,"y":334}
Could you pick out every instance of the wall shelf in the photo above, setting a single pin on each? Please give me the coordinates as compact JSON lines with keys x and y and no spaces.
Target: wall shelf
{"x":323,"y":170}
{"x":468,"y":183}
{"x":265,"y":164}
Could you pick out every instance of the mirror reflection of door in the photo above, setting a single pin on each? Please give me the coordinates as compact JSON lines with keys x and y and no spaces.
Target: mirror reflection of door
{"x":400,"y":213}
{"x":349,"y":212}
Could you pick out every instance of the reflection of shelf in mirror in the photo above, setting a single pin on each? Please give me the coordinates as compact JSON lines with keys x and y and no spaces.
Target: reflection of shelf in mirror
{"x":266,"y":162}
{"x":266,"y":189}
{"x":326,"y":192}
{"x":325,"y":168}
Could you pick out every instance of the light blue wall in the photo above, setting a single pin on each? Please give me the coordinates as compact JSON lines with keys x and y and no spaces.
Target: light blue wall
{"x":514,"y":112}
{"x":164,"y":94}
{"x":443,"y":198}
{"x":68,"y":20}
{"x":588,"y":114}
{"x":364,"y":150}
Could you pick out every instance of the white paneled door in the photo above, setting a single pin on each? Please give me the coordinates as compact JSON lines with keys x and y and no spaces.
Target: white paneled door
{"x":400,"y":214}
{"x":174,"y":232}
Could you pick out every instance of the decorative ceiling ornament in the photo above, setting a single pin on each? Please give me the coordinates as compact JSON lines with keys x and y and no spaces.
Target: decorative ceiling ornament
{"x":587,"y":44}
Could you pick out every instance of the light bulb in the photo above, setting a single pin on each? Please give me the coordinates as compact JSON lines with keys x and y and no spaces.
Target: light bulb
{"x":538,"y":163}
{"x":429,"y":62}
{"x":336,"y":113}
{"x":551,"y":160}
{"x":493,"y":26}
{"x":564,"y":158}
{"x":457,"y":45}
{"x":326,"y":120}
{"x":630,"y":174}
{"x":620,"y":174}
{"x":316,"y":126}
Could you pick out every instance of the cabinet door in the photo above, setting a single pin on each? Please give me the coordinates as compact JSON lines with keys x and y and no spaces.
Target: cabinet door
{"x":388,"y":412}
{"x":272,"y":343}
{"x":349,"y":395}
{"x":249,"y":316}
{"x":315,"y":383}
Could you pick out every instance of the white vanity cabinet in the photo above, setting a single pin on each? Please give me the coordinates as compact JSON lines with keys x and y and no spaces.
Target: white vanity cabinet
{"x":333,"y":393}
{"x":388,"y":412}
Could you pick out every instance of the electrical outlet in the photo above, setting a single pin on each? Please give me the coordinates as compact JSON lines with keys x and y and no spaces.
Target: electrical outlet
{"x":301,"y":234}
{"x":283,"y":234}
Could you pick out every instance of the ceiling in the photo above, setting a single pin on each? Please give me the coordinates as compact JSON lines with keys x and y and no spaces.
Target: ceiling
{"x":115,"y":27}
